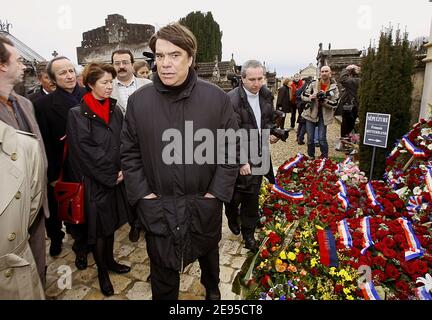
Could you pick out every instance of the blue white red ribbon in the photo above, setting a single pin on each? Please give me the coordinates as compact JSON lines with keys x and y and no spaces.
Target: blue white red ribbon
{"x":422,"y":293}
{"x":414,"y":204}
{"x":347,"y":160}
{"x":342,"y":187}
{"x":367,"y":238}
{"x":416,"y":152}
{"x":322,"y":164}
{"x":293,"y":163}
{"x":345,"y":234}
{"x":287,"y":195}
{"x":415,"y":250}
{"x":428,"y":179}
{"x":327,"y":245}
{"x":343,"y":200}
{"x":371,"y":195}
{"x":369,"y":292}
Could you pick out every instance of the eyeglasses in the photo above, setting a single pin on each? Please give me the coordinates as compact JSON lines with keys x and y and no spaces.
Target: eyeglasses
{"x":123,"y":62}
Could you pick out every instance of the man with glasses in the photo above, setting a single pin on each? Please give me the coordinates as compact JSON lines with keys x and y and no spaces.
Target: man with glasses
{"x":126,"y":83}
{"x":123,"y":86}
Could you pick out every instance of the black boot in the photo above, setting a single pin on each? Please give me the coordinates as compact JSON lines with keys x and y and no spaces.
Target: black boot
{"x":249,"y":239}
{"x":105,"y":282}
{"x":213,"y":294}
{"x":103,"y":276}
{"x":109,"y":254}
{"x":134,"y":233}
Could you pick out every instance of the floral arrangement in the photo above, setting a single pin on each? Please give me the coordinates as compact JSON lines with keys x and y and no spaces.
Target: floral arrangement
{"x":372,"y":229}
{"x":409,"y":167}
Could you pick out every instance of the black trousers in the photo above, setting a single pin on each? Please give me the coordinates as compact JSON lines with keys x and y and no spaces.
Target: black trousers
{"x":165,"y":282}
{"x":293,"y":115}
{"x":53,"y":225}
{"x":347,"y":125}
{"x":248,"y":203}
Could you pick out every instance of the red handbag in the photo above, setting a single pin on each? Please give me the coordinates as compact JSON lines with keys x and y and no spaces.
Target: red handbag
{"x":70,"y":197}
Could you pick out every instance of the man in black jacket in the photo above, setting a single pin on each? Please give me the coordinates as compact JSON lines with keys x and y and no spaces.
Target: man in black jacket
{"x":348,"y":104}
{"x":51,"y":113}
{"x":179,"y":198}
{"x":46,"y":84}
{"x":254,"y":113}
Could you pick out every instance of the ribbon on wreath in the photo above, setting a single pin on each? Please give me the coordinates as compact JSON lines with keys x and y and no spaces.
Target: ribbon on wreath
{"x":343,"y":200}
{"x":369,"y":292}
{"x":293,"y":163}
{"x":327,"y":245}
{"x":287,"y":195}
{"x":322,"y":164}
{"x":422,"y":293}
{"x":342,"y":187}
{"x":415,"y":250}
{"x":416,"y":152}
{"x":345,"y":234}
{"x":428,"y":179}
{"x":367,"y":238}
{"x":414,"y":204}
{"x":347,"y":160}
{"x":371,"y":195}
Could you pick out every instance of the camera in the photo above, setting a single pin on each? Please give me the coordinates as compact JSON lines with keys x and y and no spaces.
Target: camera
{"x":322,"y":95}
{"x":235,"y":79}
{"x":279,"y":120}
{"x":282,"y":134}
{"x":150,"y":58}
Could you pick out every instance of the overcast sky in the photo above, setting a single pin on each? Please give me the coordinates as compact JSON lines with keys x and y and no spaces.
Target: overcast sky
{"x":284,"y":34}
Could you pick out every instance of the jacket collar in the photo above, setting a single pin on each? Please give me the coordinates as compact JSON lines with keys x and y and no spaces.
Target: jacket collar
{"x":88,"y":113}
{"x":8,"y":141}
{"x":184,"y":91}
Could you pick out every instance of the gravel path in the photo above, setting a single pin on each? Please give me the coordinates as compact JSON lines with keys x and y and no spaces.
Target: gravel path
{"x":282,"y":151}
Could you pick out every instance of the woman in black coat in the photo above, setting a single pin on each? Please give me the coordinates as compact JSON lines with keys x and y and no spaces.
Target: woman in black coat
{"x":93,"y":132}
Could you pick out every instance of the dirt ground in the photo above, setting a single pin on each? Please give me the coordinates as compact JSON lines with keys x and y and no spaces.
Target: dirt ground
{"x":282,"y":151}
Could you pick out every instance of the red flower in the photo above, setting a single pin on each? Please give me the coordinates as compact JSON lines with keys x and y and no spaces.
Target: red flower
{"x":392,"y":272}
{"x":264,"y":254}
{"x":264,"y":281}
{"x":389,"y":253}
{"x":389,"y":242}
{"x":379,"y":261}
{"x":338,"y":289}
{"x":402,"y":286}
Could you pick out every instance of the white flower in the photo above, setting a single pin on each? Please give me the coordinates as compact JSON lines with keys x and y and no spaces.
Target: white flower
{"x":417,"y":191}
{"x":427,"y":281}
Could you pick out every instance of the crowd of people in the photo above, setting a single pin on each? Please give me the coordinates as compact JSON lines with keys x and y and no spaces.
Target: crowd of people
{"x":114,"y":118}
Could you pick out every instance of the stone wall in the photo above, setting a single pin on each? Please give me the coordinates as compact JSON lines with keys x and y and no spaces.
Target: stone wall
{"x":99,"y":43}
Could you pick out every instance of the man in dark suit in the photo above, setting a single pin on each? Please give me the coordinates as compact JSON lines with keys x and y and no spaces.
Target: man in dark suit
{"x":46,"y":84}
{"x":51,"y":113}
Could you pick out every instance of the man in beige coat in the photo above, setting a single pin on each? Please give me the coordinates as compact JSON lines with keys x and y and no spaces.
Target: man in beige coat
{"x":17,"y":112}
{"x":21,"y":194}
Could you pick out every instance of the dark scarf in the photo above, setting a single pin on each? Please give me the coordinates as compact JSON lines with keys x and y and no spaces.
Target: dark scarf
{"x":101,"y":109}
{"x":73,"y":98}
{"x":174,"y":89}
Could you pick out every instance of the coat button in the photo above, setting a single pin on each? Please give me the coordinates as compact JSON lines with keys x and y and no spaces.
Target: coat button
{"x":18,"y":195}
{"x":14,"y":156}
{"x":12,"y":236}
{"x":8,"y":273}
